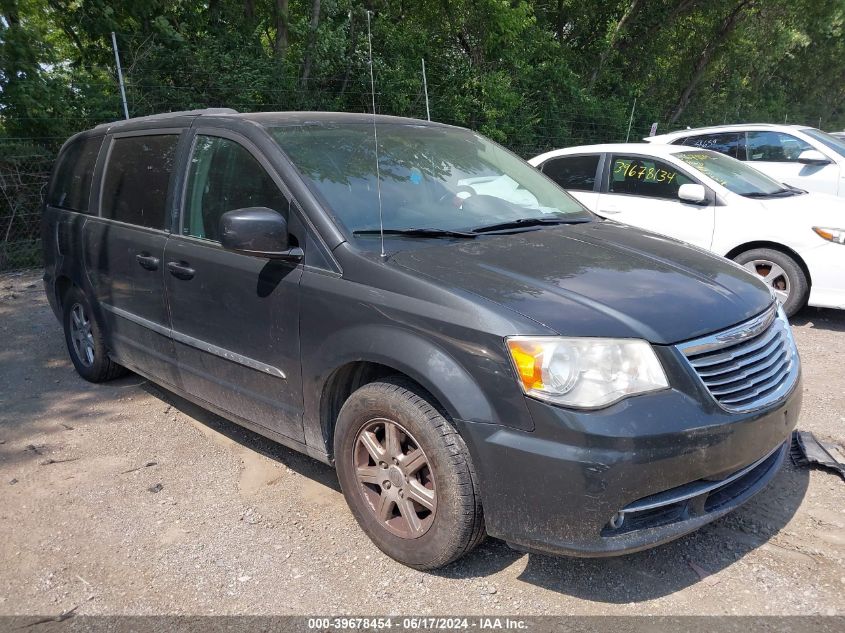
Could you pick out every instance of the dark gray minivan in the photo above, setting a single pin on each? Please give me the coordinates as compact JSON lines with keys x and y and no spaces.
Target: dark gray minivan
{"x":473,"y":350}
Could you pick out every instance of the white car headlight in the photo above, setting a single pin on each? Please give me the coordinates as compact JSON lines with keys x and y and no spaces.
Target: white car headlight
{"x":831,"y":235}
{"x":585,"y":373}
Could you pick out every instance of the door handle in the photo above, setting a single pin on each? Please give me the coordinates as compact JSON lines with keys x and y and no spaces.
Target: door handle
{"x":147,"y":261}
{"x":180,"y":270}
{"x":611,"y":211}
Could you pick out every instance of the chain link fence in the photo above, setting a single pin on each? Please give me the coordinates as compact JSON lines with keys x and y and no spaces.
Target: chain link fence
{"x":25,"y":165}
{"x":24,"y":171}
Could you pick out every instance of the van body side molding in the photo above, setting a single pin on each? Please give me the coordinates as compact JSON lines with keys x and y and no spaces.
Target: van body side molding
{"x":197,"y":343}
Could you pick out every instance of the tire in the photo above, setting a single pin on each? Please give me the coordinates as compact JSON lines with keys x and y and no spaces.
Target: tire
{"x":454,"y":523}
{"x":781,"y":273}
{"x":85,"y":342}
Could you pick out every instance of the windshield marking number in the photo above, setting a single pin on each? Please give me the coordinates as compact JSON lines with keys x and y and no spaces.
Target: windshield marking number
{"x":630,"y":170}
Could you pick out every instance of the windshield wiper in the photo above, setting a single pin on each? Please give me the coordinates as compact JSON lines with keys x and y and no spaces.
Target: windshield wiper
{"x":773,"y":194}
{"x":526,"y":222}
{"x":416,"y":232}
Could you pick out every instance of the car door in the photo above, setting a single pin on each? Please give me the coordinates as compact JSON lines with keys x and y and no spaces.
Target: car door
{"x":124,"y":249}
{"x":643,"y":191}
{"x":776,"y":154}
{"x":235,"y":318}
{"x":578,"y":174}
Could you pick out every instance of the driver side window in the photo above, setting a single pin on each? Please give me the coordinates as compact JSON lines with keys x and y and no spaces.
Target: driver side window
{"x":224,"y":176}
{"x":640,"y":176}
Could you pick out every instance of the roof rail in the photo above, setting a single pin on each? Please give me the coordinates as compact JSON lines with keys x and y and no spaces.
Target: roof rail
{"x":171,"y":115}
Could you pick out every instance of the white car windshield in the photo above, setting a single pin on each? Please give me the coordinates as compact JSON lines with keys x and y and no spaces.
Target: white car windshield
{"x":431,"y":177}
{"x":733,"y":175}
{"x":828,"y":140}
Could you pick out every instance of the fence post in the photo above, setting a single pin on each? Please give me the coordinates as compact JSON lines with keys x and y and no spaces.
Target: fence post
{"x":119,"y":75}
{"x":425,"y":89}
{"x":631,"y":120}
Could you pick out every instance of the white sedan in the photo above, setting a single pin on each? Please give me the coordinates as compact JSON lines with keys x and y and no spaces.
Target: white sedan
{"x":798,"y":155}
{"x":793,"y":240}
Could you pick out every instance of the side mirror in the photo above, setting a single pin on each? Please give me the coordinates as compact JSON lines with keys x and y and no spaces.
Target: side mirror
{"x":257,"y":231}
{"x":692,"y":193}
{"x":812,"y":157}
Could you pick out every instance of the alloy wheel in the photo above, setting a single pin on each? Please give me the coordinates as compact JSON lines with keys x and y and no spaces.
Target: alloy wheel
{"x":81,"y":335}
{"x":773,"y":276}
{"x":395,"y":478}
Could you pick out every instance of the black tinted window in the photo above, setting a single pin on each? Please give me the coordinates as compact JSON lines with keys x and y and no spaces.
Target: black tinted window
{"x":573,"y":172}
{"x":638,"y":176}
{"x":71,"y":185}
{"x":137,"y":178}
{"x":775,"y":147}
{"x":731,"y":144}
{"x":224,"y":176}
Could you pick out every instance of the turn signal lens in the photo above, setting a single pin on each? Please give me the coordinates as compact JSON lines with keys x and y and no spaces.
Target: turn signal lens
{"x":525,"y":358}
{"x":585,"y":372}
{"x":831,"y":235}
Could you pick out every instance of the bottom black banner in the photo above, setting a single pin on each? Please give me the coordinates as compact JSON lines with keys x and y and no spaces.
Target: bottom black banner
{"x":71,"y":623}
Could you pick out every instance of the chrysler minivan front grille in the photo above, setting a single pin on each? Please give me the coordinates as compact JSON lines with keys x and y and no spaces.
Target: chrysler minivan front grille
{"x":748,"y":366}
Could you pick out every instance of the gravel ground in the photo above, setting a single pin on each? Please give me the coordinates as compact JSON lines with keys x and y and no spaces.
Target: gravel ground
{"x":122,"y":498}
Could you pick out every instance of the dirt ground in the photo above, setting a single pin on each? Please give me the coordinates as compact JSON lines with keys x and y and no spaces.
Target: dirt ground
{"x":123,"y":499}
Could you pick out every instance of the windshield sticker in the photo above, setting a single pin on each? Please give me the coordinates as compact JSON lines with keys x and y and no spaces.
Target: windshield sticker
{"x":699,"y":161}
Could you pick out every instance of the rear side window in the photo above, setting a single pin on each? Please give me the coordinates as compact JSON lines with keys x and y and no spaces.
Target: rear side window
{"x":638,"y":176}
{"x":573,"y":172}
{"x":71,"y":185}
{"x":729,"y":143}
{"x":137,"y":178}
{"x":223,"y":177}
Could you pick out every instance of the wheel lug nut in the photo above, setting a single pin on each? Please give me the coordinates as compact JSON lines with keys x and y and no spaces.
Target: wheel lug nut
{"x":382,"y":465}
{"x":387,"y":484}
{"x":395,"y":460}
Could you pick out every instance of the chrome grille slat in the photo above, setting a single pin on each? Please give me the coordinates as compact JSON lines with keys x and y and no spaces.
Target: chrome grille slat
{"x":748,"y":366}
{"x":741,"y":372}
{"x":755,"y":393}
{"x":725,"y":357}
{"x":713,"y":370}
{"x":762,"y":378}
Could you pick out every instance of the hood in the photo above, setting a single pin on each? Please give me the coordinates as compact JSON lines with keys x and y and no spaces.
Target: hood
{"x":599,"y":279}
{"x":816,"y":209}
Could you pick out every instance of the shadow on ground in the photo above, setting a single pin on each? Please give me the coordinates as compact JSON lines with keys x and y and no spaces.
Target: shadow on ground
{"x":298,"y":462}
{"x":821,"y":319}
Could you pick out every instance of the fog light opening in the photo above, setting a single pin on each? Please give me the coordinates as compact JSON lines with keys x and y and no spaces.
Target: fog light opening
{"x":617,"y":520}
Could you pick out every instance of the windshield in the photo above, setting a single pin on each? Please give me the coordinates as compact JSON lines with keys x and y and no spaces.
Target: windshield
{"x":431,"y":178}
{"x":828,"y":140}
{"x":732,"y":174}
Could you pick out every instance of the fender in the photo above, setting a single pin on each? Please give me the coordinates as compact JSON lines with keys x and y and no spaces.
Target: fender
{"x":433,"y":362}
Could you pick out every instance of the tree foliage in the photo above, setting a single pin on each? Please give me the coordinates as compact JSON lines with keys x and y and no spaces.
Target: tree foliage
{"x":530,"y":74}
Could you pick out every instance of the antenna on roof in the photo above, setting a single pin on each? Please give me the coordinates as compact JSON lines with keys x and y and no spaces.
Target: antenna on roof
{"x":375,"y":134}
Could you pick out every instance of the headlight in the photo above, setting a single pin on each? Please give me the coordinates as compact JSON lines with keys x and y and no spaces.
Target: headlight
{"x":585,"y":373}
{"x":831,"y":235}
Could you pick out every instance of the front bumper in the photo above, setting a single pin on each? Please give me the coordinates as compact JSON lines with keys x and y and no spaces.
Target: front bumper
{"x":826,"y":264}
{"x":665,"y":461}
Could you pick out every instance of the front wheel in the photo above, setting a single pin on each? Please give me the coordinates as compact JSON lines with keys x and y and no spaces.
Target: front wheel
{"x":407,"y":475}
{"x":781,"y":274}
